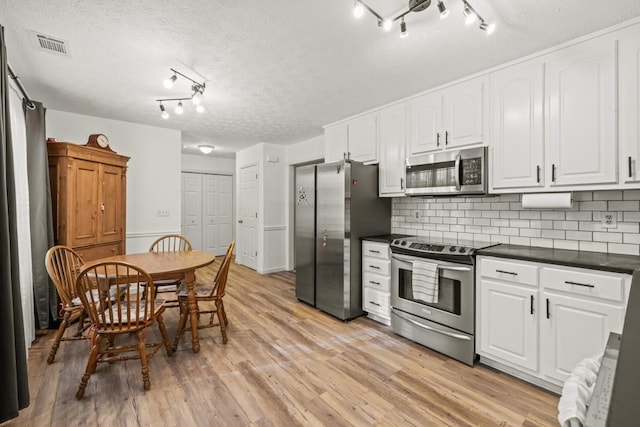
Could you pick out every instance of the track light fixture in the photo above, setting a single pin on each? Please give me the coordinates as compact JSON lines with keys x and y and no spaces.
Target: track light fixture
{"x":197,"y":92}
{"x":359,"y":6}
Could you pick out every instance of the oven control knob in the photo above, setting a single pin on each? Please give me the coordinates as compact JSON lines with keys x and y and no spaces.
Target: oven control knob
{"x":462,"y":249}
{"x":452,"y":249}
{"x":404,"y":243}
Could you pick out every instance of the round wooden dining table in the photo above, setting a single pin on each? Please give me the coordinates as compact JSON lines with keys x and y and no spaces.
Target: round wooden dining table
{"x":171,"y":265}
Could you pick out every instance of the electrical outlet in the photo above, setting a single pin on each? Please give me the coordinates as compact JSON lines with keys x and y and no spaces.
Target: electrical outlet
{"x":609,"y":220}
{"x":416,"y":214}
{"x":162,"y":212}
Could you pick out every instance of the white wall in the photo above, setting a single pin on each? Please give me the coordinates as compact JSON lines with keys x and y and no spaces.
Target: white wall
{"x":154,"y":165}
{"x":208,"y":164}
{"x":305,"y":151}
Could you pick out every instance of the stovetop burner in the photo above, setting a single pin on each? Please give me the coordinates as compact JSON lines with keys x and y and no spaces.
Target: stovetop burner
{"x":425,"y":247}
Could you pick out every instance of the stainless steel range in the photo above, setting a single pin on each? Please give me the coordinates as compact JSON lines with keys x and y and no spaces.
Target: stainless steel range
{"x":433,"y":294}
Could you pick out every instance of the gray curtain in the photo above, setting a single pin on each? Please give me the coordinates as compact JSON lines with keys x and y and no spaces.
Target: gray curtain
{"x":13,"y":357}
{"x":41,"y":220}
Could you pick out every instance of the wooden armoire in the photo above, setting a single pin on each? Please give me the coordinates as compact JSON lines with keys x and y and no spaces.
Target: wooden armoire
{"x":88,"y":191}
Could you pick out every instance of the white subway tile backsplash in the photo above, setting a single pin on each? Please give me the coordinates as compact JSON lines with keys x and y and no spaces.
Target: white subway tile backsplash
{"x":619,"y":248}
{"x":607,"y":195}
{"x":501,"y":219}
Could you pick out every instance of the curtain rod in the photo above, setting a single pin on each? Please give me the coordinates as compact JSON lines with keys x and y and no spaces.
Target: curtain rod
{"x":30,"y":104}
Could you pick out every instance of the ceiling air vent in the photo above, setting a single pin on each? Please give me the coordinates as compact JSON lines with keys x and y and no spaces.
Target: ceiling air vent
{"x":51,"y":44}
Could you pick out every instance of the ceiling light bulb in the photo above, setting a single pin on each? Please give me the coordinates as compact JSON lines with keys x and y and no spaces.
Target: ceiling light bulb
{"x":491,"y":28}
{"x":205,"y":149}
{"x":200,"y":108}
{"x":164,"y":113}
{"x":403,"y":29}
{"x":196,"y":98}
{"x":168,"y":83}
{"x":179,"y":109}
{"x":387,"y":24}
{"x":470,"y":17}
{"x":443,"y":10}
{"x":358,"y":10}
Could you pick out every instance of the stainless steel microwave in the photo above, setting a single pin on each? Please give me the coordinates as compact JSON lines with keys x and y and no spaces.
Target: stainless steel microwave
{"x":447,"y":173}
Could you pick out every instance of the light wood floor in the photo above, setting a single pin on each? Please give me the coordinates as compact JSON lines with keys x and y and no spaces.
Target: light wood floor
{"x":285,"y":364}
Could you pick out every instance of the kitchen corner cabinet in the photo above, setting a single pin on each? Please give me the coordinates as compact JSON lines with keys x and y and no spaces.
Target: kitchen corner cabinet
{"x":355,"y":139}
{"x":447,"y":118}
{"x":376,"y":281}
{"x":581,"y":113}
{"x":517,"y":97}
{"x":88,"y":191}
{"x":391,"y":172}
{"x":629,"y":89}
{"x":539,"y":320}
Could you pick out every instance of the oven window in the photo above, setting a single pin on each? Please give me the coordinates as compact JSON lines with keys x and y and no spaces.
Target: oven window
{"x":448,"y":292}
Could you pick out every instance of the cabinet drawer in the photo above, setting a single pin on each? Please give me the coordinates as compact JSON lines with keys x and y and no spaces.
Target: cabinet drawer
{"x":93,"y":253}
{"x":376,"y":302}
{"x":584,"y":282}
{"x":376,"y":265}
{"x":375,"y":249}
{"x":511,"y":271}
{"x":376,"y":281}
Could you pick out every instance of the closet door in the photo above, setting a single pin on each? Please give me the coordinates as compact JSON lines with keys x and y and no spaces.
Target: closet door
{"x":216,"y":213}
{"x":225,"y":213}
{"x":192,"y":208}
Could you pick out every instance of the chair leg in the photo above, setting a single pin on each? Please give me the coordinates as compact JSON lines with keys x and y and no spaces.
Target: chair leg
{"x":165,"y":335}
{"x":142,"y":349}
{"x":58,"y":338}
{"x":224,"y":313}
{"x":91,"y":367}
{"x":220,"y":312}
{"x":184,"y":314}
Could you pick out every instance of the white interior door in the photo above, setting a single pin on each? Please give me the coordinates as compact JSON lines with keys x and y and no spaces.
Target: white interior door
{"x":225,"y":213}
{"x":248,"y":238}
{"x":192,"y":208}
{"x":217,"y":213}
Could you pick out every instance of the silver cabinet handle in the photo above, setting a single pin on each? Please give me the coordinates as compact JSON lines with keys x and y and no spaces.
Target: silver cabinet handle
{"x":446,"y":138}
{"x":402,"y":183}
{"x":374,"y":267}
{"x":374,"y":251}
{"x":538,"y":174}
{"x":437,"y":139}
{"x":374,"y":283}
{"x":553,"y":173}
{"x":427,"y":327}
{"x":531,"y":303}
{"x":374,"y":303}
{"x":630,"y":167}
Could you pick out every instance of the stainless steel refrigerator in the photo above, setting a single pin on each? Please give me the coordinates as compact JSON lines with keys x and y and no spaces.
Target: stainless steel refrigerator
{"x":336,"y":204}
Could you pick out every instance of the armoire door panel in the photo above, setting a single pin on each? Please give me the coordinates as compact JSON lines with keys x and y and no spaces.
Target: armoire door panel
{"x":110,"y":208}
{"x":84,"y":220}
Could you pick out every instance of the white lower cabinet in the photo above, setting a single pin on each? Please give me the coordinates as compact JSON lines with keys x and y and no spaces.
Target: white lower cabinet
{"x":376,"y":280}
{"x":537,"y":321}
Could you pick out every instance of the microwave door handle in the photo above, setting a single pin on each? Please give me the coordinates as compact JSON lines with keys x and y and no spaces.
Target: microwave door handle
{"x":457,"y":170}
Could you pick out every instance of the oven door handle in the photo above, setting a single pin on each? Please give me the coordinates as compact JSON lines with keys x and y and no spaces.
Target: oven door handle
{"x":420,"y":325}
{"x":446,"y":267}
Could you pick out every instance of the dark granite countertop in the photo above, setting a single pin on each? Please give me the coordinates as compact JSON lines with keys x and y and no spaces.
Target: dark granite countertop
{"x":384,"y":238}
{"x":595,"y":260}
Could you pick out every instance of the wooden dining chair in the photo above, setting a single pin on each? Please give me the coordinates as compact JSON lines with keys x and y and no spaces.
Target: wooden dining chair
{"x":63,"y":265}
{"x":133,"y":312}
{"x":170,"y":243}
{"x":213,"y":292}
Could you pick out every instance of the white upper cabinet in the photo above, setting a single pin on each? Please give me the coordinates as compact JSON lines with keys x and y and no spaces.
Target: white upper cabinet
{"x":355,"y":139}
{"x":517,"y":98}
{"x":581,"y":113}
{"x":450,"y":117}
{"x":629,"y":89}
{"x":391,"y":170}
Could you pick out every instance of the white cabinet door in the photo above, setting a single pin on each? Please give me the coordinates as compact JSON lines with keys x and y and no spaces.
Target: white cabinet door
{"x":335,"y":142}
{"x":581,"y":121}
{"x":463,"y":118}
{"x":425,"y":124}
{"x":362,"y":138}
{"x":509,"y":323}
{"x":517,"y":97}
{"x":573,"y":329}
{"x":392,"y":150}
{"x":629,"y":84}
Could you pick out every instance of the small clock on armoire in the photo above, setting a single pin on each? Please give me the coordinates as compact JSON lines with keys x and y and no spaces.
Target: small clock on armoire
{"x":99,"y":140}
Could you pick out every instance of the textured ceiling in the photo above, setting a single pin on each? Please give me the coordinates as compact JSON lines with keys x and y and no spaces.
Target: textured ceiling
{"x":276,"y":70}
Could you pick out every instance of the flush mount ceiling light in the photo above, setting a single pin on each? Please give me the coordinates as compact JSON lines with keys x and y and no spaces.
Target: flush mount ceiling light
{"x":469,"y":12}
{"x":197,"y":91}
{"x":206,"y":149}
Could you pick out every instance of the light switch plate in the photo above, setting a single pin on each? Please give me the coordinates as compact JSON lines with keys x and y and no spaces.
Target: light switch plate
{"x":609,"y":220}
